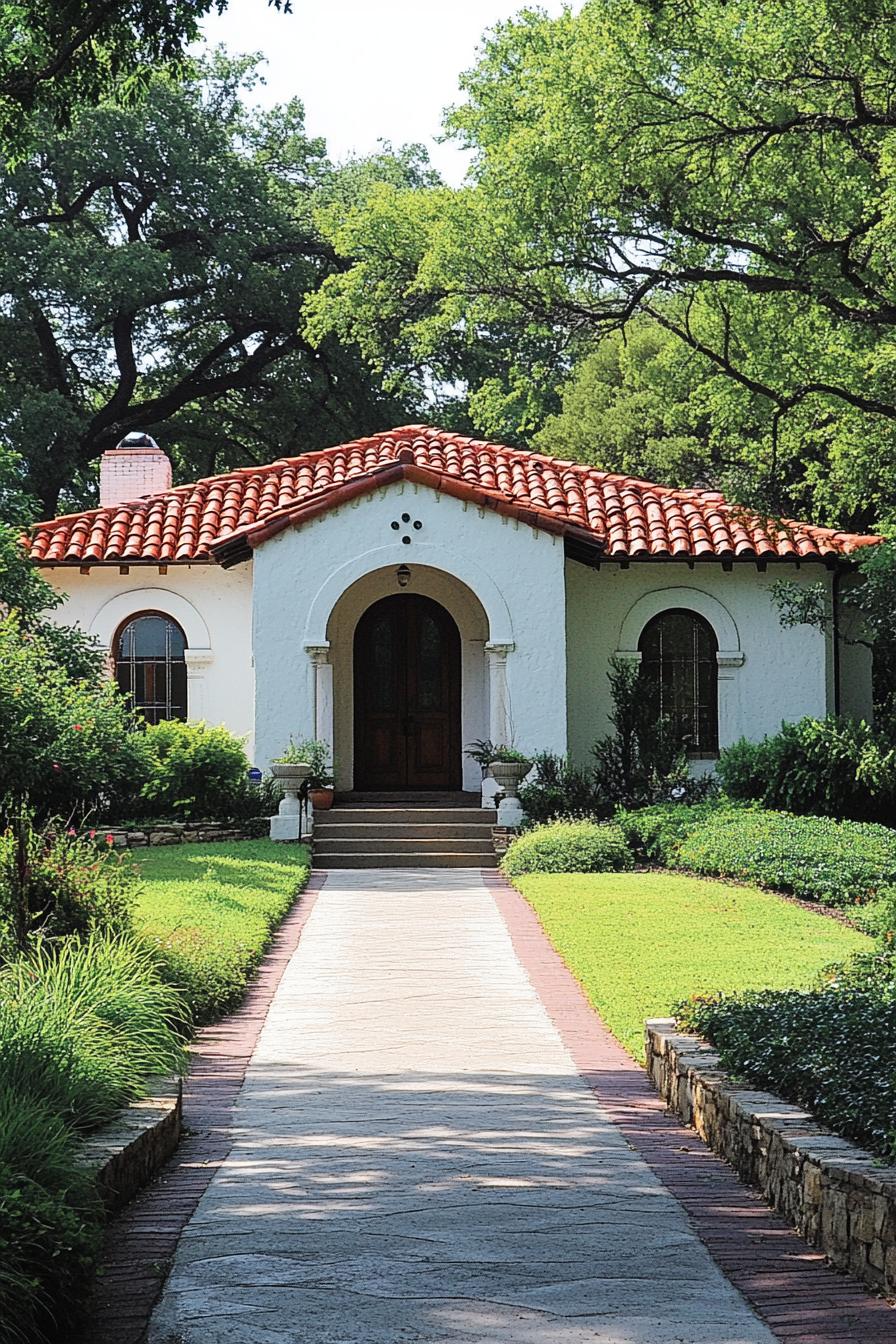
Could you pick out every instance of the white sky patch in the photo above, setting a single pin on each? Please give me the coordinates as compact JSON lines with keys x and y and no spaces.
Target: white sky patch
{"x":367,"y":70}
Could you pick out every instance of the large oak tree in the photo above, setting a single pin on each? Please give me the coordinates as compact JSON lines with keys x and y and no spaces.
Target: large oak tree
{"x":155,"y":259}
{"x":721,"y":167}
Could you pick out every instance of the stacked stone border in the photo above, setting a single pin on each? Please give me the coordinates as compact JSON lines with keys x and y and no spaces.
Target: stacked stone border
{"x":183,"y":833}
{"x":141,"y":1240}
{"x":130,"y":1151}
{"x":802,"y":1299}
{"x":841,"y":1198}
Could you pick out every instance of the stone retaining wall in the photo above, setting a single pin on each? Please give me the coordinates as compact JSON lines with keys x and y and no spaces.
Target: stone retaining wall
{"x":129,"y":1152}
{"x":185,"y":832}
{"x":839,"y":1197}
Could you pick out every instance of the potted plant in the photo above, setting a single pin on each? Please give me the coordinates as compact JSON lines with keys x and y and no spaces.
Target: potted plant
{"x":508,"y":768}
{"x":320,"y":781}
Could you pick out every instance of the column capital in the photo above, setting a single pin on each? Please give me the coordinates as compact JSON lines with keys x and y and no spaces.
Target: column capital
{"x":499,"y":650}
{"x":318,"y":653}
{"x":628,"y":655}
{"x":197,"y":660}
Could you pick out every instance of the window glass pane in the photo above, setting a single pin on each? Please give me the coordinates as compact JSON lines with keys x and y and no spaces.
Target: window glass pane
{"x":680,"y":674}
{"x":151,"y":667}
{"x":429,"y":664}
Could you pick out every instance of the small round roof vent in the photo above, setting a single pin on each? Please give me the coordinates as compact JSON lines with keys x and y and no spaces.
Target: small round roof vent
{"x":137,"y":439}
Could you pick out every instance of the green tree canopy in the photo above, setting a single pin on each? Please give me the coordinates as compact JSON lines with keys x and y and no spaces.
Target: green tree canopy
{"x":58,"y":54}
{"x":155,"y":261}
{"x":723,"y":167}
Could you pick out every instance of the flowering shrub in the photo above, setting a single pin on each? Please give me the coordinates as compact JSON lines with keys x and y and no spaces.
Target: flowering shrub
{"x":54,"y":883}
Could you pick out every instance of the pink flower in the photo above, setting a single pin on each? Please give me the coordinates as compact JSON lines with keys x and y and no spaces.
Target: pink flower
{"x":56,"y":766}
{"x":110,"y":839}
{"x":71,"y":831}
{"x":77,"y":727}
{"x":92,"y":834}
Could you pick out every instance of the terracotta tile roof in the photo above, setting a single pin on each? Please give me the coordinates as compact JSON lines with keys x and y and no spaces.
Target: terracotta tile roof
{"x":618,"y":517}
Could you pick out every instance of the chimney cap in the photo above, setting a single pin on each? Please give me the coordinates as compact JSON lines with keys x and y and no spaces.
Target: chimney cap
{"x":138,"y":439}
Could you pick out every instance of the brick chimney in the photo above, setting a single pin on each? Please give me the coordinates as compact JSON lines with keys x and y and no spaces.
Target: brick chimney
{"x":134,"y":468}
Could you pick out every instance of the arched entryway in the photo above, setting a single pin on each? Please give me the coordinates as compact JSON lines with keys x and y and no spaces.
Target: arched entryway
{"x":407,"y":696}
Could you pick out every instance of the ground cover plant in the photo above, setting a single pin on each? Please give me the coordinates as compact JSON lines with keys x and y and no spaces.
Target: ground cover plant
{"x":210,"y":910}
{"x":831,"y":1049}
{"x":641,"y":942}
{"x":839,"y":863}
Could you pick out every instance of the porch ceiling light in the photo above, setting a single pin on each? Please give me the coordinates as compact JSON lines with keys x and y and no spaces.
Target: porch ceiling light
{"x":403,"y":575}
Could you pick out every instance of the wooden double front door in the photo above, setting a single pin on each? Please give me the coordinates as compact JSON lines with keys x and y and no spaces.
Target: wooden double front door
{"x":407,"y":696}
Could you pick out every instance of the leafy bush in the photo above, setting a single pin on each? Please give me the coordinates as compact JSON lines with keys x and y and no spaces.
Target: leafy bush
{"x":209,"y":911}
{"x":656,"y":833}
{"x":832,"y":1050}
{"x":568,"y":847}
{"x":560,"y":789}
{"x":830,"y":767}
{"x":55,"y":883}
{"x":49,"y":1223}
{"x":836,"y":862}
{"x":64,"y":744}
{"x":196,"y":772}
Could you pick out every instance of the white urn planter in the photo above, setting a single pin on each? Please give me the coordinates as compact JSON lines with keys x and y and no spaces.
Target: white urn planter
{"x":508,"y":775}
{"x":287,"y":824}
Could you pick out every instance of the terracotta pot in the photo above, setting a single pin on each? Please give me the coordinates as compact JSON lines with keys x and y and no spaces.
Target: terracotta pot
{"x":321,"y":799}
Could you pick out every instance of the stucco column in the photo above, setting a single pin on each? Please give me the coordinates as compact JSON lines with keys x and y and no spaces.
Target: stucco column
{"x":322,"y":692}
{"x":198,"y":662}
{"x":500,"y":728}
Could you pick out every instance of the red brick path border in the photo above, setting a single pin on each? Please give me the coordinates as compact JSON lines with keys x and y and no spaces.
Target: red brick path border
{"x":791,"y":1286}
{"x":140,"y":1242}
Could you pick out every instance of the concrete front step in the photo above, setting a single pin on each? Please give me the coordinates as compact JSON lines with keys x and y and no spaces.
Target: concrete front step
{"x":410,"y":798}
{"x":324,"y":844}
{"x":406,"y":859}
{"x":365,"y":830}
{"x":406,"y":816}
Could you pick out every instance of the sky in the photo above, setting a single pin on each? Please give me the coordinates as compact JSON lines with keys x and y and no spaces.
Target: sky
{"x":367,"y":70}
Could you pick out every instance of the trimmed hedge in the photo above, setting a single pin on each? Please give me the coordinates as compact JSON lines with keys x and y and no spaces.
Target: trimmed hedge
{"x":568,"y":847}
{"x":832,"y":1049}
{"x":838,"y":863}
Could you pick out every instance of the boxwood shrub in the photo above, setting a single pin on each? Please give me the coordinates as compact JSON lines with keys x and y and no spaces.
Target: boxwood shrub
{"x":839,"y":863}
{"x":568,"y":847}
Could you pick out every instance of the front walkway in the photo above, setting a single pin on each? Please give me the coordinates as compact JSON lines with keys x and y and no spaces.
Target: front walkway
{"x":417,"y":1158}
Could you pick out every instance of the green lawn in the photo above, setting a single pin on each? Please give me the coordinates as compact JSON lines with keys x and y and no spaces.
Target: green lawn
{"x":641,"y":942}
{"x":211,"y":910}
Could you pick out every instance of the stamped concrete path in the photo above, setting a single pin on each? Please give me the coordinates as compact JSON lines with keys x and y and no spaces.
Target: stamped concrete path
{"x":417,"y":1158}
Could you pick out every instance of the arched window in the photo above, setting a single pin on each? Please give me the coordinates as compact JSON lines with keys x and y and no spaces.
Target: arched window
{"x":150,"y":666}
{"x":678,"y":663}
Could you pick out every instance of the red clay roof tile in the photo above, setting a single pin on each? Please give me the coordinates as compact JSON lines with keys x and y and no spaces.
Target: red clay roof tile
{"x":623,"y":518}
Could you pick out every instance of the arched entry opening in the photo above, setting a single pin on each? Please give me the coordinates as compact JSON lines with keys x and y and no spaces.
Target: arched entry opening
{"x":407,"y":696}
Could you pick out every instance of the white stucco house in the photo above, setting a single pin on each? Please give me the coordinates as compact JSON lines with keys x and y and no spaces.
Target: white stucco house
{"x":408,"y":593}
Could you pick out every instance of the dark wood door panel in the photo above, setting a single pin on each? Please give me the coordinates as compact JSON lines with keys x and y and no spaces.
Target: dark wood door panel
{"x":407,"y":696}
